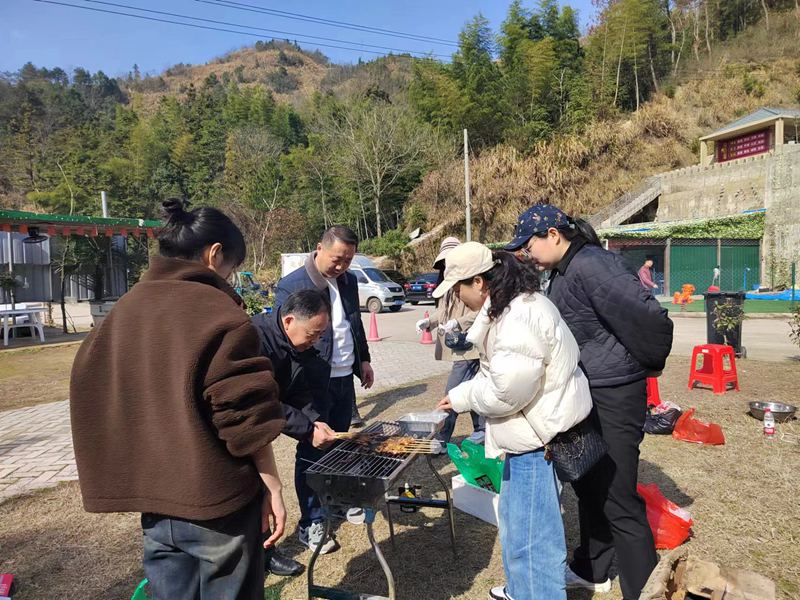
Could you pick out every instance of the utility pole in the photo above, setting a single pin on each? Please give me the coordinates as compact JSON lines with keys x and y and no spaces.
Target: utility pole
{"x":466,"y":186}
{"x":108,"y":279}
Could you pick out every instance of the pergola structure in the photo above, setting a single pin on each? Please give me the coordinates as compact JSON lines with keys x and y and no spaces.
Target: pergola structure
{"x":39,"y":227}
{"x":66,"y":225}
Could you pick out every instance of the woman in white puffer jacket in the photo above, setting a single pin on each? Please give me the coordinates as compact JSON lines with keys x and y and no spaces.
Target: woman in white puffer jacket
{"x":529,"y":388}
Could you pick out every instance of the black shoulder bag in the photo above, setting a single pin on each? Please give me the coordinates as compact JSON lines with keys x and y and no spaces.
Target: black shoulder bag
{"x":574,"y":452}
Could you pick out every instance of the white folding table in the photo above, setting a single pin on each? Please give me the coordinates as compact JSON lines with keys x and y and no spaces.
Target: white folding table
{"x":34,"y":322}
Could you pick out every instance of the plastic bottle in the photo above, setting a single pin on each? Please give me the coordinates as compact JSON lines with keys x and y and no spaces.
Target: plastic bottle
{"x":408,"y":492}
{"x":769,"y":425}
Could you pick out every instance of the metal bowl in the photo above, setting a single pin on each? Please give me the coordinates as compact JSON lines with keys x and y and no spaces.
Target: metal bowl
{"x":781,"y":412}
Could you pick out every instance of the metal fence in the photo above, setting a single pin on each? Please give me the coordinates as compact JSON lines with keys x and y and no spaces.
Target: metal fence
{"x":731,"y":265}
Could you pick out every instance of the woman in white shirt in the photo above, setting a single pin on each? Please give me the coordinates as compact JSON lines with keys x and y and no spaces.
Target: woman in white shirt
{"x":529,"y":388}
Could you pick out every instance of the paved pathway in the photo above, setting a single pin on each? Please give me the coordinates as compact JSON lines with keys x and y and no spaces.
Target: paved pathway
{"x":35,"y":448}
{"x":36,"y":443}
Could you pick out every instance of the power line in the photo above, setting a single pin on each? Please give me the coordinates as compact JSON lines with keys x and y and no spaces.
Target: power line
{"x":206,"y":27}
{"x":273,"y":31}
{"x":331,"y":22}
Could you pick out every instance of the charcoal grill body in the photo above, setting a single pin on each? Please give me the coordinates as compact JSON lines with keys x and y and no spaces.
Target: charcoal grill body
{"x":355,"y":475}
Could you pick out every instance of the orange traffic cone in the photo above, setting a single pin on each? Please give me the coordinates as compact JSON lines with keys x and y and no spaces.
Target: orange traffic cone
{"x":373,"y":329}
{"x":427,"y":338}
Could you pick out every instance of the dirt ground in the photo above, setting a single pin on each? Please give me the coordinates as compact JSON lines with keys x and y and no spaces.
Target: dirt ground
{"x":742,"y":497}
{"x":35,"y":375}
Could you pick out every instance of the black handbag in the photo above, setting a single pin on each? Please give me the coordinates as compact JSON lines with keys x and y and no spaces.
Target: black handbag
{"x":457,"y":340}
{"x":574,"y":452}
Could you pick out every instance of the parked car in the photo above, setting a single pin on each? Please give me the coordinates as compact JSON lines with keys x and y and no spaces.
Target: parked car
{"x":376,"y":291}
{"x":420,"y":288}
{"x":396,"y":276}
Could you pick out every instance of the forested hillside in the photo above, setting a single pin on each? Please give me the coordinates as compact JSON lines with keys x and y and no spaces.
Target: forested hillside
{"x":288,"y":143}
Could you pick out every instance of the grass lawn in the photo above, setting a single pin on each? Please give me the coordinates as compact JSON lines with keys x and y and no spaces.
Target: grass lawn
{"x":35,"y":375}
{"x":742,"y":497}
{"x":750,"y":306}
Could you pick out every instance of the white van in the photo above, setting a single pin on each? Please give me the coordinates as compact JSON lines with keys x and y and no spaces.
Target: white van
{"x":375,"y":290}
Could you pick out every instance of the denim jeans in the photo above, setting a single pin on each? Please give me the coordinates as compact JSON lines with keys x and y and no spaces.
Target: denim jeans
{"x":531,"y":529}
{"x":463,"y":370}
{"x":336,"y":411}
{"x":219,"y":558}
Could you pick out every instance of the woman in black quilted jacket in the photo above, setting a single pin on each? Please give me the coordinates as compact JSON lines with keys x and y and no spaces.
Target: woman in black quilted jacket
{"x":625,"y":336}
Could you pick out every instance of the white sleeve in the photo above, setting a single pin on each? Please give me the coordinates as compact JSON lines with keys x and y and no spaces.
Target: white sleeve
{"x":515,"y":376}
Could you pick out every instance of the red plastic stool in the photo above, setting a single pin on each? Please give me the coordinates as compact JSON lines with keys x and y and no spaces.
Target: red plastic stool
{"x":653,"y":397}
{"x":712,"y":371}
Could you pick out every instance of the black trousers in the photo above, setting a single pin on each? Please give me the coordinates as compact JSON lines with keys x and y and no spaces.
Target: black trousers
{"x":613,"y":518}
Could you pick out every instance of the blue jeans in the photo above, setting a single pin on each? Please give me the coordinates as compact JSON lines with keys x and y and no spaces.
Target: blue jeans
{"x":336,"y":411}
{"x":219,"y":558}
{"x":531,"y":529}
{"x":463,"y":370}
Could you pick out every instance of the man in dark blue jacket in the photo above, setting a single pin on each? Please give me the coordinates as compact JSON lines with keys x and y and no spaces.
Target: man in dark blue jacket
{"x":287,"y":338}
{"x":343,"y":353}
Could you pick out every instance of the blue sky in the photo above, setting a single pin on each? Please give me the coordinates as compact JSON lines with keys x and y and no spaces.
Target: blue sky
{"x":51,"y":35}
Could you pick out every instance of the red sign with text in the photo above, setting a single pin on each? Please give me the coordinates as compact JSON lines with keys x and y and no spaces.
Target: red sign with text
{"x":757,"y":142}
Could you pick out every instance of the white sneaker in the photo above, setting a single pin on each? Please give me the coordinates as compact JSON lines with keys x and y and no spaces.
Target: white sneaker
{"x":499,"y":593}
{"x":575,"y":581}
{"x":477,"y":437}
{"x":312,"y":535}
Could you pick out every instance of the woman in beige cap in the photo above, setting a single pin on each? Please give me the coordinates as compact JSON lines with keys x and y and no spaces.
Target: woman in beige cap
{"x":529,"y":388}
{"x":452,"y":315}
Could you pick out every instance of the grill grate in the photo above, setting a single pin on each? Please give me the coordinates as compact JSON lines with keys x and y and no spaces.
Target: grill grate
{"x":355,"y":460}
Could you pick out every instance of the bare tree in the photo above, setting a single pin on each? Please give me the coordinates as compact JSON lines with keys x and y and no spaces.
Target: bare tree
{"x":252,"y":184}
{"x":380,"y":143}
{"x":619,"y":62}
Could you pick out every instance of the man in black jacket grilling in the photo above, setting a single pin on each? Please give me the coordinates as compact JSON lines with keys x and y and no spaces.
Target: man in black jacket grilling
{"x":287,"y":338}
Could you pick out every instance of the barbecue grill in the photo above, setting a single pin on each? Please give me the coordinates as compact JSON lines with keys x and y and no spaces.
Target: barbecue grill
{"x":358,"y":474}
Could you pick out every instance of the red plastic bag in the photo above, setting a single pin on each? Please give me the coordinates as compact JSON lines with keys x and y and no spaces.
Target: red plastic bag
{"x":670,"y":523}
{"x":693,"y":430}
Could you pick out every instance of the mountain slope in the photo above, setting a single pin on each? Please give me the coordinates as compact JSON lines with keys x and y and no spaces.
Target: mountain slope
{"x":585,"y":172}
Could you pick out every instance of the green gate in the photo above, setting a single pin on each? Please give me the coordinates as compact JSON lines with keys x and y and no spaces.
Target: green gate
{"x":735,"y":260}
{"x":693,"y":261}
{"x":692,"y":264}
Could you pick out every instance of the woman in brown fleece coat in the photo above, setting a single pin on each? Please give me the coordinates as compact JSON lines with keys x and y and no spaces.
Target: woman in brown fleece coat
{"x":173,"y":410}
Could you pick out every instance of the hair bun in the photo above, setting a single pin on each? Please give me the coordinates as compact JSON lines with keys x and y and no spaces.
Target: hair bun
{"x":175,"y":210}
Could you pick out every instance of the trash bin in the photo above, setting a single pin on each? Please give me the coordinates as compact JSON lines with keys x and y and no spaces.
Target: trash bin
{"x":715,"y":337}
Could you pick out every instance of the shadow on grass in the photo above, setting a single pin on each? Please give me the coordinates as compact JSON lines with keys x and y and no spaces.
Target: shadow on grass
{"x":273,"y":592}
{"x":422,"y":560}
{"x":651,"y":473}
{"x":378,"y":403}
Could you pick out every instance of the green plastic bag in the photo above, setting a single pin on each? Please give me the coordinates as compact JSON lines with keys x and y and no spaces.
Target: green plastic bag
{"x":477,"y":470}
{"x":140,"y":593}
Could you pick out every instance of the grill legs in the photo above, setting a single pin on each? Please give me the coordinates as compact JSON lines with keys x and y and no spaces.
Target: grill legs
{"x":381,"y":559}
{"x":311,"y":587}
{"x":446,"y":505}
{"x":449,"y":500}
{"x":317,"y":591}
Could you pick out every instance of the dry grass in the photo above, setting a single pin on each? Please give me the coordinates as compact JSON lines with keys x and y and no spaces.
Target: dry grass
{"x":35,"y":376}
{"x":254,"y":65}
{"x":742,"y":497}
